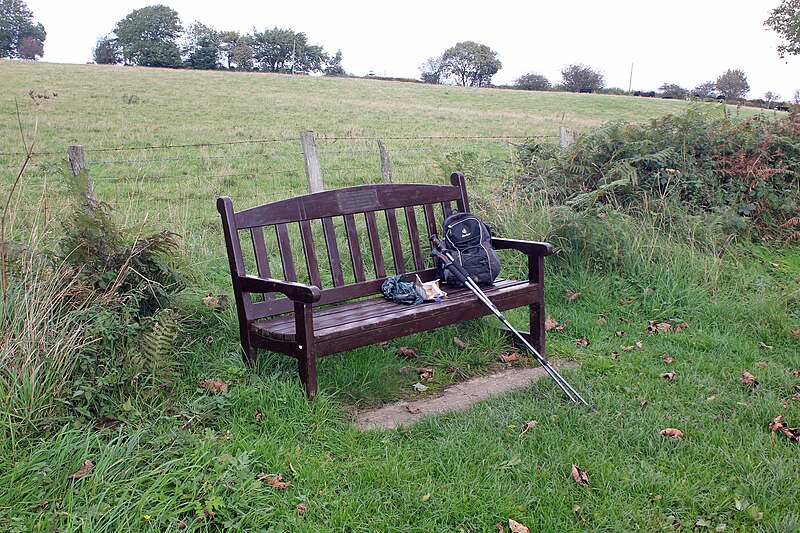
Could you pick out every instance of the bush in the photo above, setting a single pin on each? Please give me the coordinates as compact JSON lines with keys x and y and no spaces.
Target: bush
{"x":702,"y":164}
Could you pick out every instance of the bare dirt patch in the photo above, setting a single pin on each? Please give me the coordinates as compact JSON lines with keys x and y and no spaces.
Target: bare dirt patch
{"x":455,"y":397}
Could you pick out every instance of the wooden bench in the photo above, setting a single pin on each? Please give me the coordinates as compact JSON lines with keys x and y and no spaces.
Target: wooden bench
{"x":308,"y":282}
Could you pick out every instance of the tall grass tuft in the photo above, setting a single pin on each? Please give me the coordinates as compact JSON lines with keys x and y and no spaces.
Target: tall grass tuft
{"x":43,"y":335}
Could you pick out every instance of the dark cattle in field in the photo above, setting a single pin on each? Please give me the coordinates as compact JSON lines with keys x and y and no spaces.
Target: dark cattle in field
{"x":586,"y":90}
{"x":783,"y":108}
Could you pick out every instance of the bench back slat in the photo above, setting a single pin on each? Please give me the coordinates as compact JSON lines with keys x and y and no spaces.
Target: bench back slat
{"x":394,"y":241}
{"x":285,"y":246}
{"x":375,"y":245}
{"x":361,"y":211}
{"x":333,"y":251}
{"x":310,"y":253}
{"x":355,"y":248}
{"x":413,"y":233}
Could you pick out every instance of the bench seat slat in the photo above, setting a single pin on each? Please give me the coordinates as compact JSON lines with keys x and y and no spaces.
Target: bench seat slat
{"x":365,"y":317}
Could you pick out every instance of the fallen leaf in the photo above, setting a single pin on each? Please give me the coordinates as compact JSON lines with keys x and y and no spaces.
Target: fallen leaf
{"x":762,"y":364}
{"x":562,"y":326}
{"x":663,"y":326}
{"x":214,"y":386}
{"x":571,"y":296}
{"x":426,"y":373}
{"x":408,"y":353}
{"x":791,"y":433}
{"x":458,"y":342}
{"x":642,"y":403}
{"x":628,"y":348}
{"x":615,"y":356}
{"x":626,"y":302}
{"x":219,"y":302}
{"x":667,"y":359}
{"x":183,"y":524}
{"x":276,"y":481}
{"x":582,"y":342}
{"x":669,"y":376}
{"x":620,"y":333}
{"x":579,"y":475}
{"x":639,"y":345}
{"x":672,"y":432}
{"x":765,"y":346}
{"x":796,"y":332}
{"x":795,"y":397}
{"x":82,"y":471}
{"x":404,"y":371}
{"x":516,"y":527}
{"x":795,"y":372}
{"x":301,"y":509}
{"x":529,"y":425}
{"x":499,"y":527}
{"x":509,"y":357}
{"x":777,"y":423}
{"x":413,"y":410}
{"x":106,"y":423}
{"x":550,"y":323}
{"x":749,"y":379}
{"x":258,"y":414}
{"x":680,"y":327}
{"x":419,"y":387}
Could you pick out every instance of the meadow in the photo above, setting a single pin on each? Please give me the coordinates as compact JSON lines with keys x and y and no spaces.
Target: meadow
{"x":168,"y":453}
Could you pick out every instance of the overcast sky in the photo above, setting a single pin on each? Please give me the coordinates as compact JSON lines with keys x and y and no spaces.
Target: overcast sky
{"x":676,"y":41}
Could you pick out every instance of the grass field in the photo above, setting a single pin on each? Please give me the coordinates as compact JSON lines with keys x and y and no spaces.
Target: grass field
{"x":188,"y":460}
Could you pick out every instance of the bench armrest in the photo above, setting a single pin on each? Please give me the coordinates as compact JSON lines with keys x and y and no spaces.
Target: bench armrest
{"x":297,"y":292}
{"x":526,"y":247}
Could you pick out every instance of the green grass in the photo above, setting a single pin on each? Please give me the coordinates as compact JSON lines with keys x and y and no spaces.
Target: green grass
{"x":191,"y":457}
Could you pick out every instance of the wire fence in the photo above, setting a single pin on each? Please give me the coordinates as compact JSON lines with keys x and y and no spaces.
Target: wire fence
{"x":175,"y":186}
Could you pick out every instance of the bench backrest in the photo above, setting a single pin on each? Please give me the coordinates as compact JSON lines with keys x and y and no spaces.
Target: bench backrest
{"x":344,"y":241}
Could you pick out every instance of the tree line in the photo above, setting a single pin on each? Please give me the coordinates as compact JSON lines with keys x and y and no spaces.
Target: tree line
{"x":151,"y":37}
{"x":20,"y":36}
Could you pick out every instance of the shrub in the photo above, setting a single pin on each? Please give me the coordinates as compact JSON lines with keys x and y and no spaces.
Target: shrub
{"x":704,"y":165}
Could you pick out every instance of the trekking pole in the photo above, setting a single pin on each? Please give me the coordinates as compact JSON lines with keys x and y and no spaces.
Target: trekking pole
{"x":439,"y":252}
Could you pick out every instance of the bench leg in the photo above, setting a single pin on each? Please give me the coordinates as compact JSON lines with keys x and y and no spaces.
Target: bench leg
{"x":536,"y":335}
{"x":307,"y":368}
{"x":249,"y":353}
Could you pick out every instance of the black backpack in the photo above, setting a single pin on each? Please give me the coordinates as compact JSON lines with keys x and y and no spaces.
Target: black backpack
{"x":469,"y":241}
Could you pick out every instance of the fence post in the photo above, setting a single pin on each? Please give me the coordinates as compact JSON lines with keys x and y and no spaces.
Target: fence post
{"x":311,"y":158}
{"x":77,"y":163}
{"x":563,"y":135}
{"x":386,"y":163}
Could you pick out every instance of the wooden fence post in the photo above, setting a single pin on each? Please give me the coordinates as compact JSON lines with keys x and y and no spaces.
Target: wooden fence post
{"x":563,"y":136}
{"x":77,"y":163}
{"x":311,"y":158}
{"x":386,"y":163}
